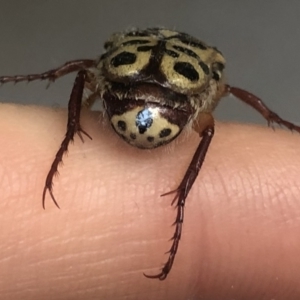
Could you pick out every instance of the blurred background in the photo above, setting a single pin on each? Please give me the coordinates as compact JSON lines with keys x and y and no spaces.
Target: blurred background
{"x":259,"y":39}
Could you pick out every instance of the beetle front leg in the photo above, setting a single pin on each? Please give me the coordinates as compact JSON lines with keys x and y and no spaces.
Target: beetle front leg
{"x":52,"y":75}
{"x":204,"y":125}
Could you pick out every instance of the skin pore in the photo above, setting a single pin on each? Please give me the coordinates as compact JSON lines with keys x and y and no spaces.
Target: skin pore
{"x":241,"y":229}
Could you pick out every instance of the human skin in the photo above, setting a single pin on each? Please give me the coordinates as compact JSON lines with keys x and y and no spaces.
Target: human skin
{"x":241,"y":232}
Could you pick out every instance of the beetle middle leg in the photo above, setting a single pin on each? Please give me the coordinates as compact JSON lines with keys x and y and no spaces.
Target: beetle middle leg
{"x":73,"y":127}
{"x":204,"y":125}
{"x":259,"y":106}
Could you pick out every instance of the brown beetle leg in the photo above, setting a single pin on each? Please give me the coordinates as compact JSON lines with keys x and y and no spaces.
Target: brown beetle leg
{"x":205,"y":128}
{"x":52,"y":75}
{"x":73,"y":127}
{"x":259,"y":106}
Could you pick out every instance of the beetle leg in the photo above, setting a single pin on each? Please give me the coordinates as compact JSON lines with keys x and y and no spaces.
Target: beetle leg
{"x":204,"y":125}
{"x":259,"y":106}
{"x":52,"y":75}
{"x":73,"y":127}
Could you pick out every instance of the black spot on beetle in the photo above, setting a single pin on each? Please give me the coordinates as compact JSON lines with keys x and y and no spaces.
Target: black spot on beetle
{"x":187,"y":70}
{"x":165,"y":132}
{"x":204,"y":67}
{"x":135,"y":42}
{"x":219,"y":66}
{"x":122,"y":125}
{"x":186,"y":51}
{"x":123,"y":58}
{"x":195,"y":44}
{"x":144,"y":48}
{"x":216,"y":76}
{"x":171,"y":53}
{"x":132,"y":136}
{"x":137,"y":33}
{"x":150,"y":139}
{"x":198,"y":45}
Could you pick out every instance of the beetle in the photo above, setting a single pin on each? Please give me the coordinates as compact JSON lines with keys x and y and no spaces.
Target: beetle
{"x":153,"y":84}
